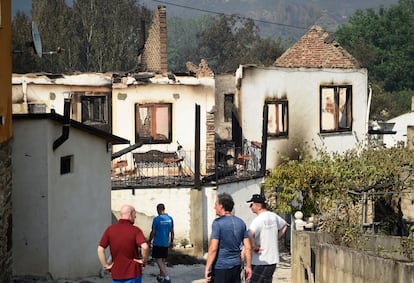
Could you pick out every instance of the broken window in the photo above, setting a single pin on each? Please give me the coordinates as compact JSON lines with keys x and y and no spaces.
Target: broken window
{"x":277,"y":118}
{"x":153,"y":122}
{"x":228,"y":106}
{"x":94,"y":109}
{"x":336,"y":112}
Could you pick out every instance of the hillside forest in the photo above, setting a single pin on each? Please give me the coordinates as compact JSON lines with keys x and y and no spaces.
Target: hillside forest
{"x":107,"y":36}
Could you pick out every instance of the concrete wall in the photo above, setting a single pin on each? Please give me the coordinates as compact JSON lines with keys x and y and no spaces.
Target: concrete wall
{"x":301,"y":88}
{"x":45,"y":221}
{"x":183,"y":95}
{"x":33,"y":89}
{"x":315,"y":259}
{"x":188,"y":209}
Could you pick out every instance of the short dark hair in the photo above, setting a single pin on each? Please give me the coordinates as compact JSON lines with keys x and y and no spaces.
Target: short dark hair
{"x":160,"y":207}
{"x":226,"y":201}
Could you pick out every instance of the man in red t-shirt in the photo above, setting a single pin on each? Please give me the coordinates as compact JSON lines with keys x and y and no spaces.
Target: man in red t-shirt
{"x":124,"y":239}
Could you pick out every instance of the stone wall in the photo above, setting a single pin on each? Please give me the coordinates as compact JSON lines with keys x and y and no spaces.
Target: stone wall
{"x":5,"y":212}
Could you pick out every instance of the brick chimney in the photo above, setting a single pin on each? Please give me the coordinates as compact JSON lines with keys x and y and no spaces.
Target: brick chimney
{"x":154,"y":57}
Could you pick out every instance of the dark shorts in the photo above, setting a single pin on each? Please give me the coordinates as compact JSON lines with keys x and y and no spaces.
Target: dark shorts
{"x":262,"y":273}
{"x":159,"y":252}
{"x":231,"y":275}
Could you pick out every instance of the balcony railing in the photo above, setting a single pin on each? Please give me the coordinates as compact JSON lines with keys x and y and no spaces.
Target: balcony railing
{"x":173,"y":169}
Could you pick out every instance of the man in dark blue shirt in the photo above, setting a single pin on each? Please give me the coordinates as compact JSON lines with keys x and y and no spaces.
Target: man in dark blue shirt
{"x":228,"y":237}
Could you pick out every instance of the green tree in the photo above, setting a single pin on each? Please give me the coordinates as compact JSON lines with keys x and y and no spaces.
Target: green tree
{"x":110,"y":33}
{"x":55,"y":24}
{"x":383,"y":42}
{"x":24,"y":58}
{"x":183,"y":42}
{"x":231,"y":41}
{"x":96,"y":35}
{"x":332,"y":184}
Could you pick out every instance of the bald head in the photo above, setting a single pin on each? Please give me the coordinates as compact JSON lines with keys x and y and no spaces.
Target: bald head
{"x":128,"y":212}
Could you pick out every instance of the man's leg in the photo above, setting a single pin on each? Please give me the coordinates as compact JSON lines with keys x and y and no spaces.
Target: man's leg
{"x":162,"y":266}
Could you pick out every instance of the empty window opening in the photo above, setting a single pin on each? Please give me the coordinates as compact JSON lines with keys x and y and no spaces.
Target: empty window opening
{"x":277,"y":123}
{"x":228,"y":106}
{"x":153,"y":122}
{"x":336,"y":112}
{"x":94,"y":109}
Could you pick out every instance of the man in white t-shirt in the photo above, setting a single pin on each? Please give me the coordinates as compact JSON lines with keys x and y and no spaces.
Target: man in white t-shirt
{"x":264,"y":232}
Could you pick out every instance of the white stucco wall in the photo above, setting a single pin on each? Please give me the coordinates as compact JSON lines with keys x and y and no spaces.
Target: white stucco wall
{"x":177,"y":204}
{"x":39,"y":89}
{"x":176,"y":201}
{"x":58,"y":219}
{"x":400,"y":126}
{"x":301,"y":88}
{"x":183,"y":96}
{"x":30,"y":198}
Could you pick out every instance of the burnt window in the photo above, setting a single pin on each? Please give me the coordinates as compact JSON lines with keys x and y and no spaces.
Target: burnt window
{"x":336,"y":112}
{"x":228,"y":106}
{"x":94,"y":109}
{"x":153,"y":122}
{"x":277,"y":118}
{"x":66,"y":164}
{"x":37,"y":108}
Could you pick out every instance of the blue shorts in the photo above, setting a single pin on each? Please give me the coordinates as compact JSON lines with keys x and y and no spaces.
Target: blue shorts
{"x":133,"y":280}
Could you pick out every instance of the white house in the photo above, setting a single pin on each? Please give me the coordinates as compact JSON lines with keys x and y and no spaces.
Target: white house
{"x":316,"y":94}
{"x":41,"y":93}
{"x":61,"y":195}
{"x":400,"y":125}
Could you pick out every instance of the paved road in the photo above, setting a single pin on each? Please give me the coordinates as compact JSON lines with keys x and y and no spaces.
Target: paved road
{"x":179,"y":274}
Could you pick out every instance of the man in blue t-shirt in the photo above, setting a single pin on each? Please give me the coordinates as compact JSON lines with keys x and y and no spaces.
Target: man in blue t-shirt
{"x":228,"y":237}
{"x":163,"y":234}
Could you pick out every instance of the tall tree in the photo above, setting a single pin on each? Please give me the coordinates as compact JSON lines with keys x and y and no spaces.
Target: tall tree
{"x":110,"y":33}
{"x":231,"y":41}
{"x":24,"y":59}
{"x":183,"y":42}
{"x":383,"y":42}
{"x":96,"y":35}
{"x":56,"y":28}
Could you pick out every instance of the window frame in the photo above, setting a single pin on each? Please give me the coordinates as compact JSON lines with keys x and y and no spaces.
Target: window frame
{"x":284,"y":105}
{"x":151,"y":139}
{"x":66,"y":164}
{"x":337,"y":127}
{"x":103,"y":111}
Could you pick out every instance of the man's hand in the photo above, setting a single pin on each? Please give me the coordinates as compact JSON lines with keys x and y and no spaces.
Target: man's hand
{"x":141,"y":261}
{"x":108,"y":266}
{"x":247,"y":273}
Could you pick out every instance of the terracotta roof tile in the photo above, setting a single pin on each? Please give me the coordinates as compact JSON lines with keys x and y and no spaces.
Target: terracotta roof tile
{"x":317,"y":49}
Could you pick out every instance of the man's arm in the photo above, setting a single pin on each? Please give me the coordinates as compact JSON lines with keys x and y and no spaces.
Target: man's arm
{"x":254,"y":248}
{"x":172,"y":238}
{"x":248,"y":258}
{"x":282,"y":231}
{"x":144,"y":252}
{"x":151,"y":236}
{"x":102,"y":258}
{"x":211,"y":256}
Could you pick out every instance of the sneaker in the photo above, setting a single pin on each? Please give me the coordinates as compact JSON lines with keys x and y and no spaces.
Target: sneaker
{"x":166,"y":281}
{"x":160,"y":279}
